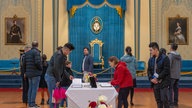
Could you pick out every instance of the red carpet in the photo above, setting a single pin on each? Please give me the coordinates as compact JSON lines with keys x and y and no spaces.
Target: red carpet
{"x":136,"y":90}
{"x":150,"y":90}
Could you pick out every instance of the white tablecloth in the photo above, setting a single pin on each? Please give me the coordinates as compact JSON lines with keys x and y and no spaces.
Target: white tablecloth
{"x":80,"y":97}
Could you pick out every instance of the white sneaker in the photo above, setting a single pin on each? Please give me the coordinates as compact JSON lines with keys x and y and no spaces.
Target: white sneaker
{"x":32,"y":107}
{"x":36,"y":106}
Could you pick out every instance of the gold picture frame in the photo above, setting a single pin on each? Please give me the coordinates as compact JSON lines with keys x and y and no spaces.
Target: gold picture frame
{"x":178,"y":30}
{"x":15,"y":32}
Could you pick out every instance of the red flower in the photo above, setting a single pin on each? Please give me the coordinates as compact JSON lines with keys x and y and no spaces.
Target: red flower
{"x":93,"y":104}
{"x":104,"y":104}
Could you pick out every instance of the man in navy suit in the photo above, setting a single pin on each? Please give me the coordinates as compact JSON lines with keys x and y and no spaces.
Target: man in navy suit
{"x":87,"y":65}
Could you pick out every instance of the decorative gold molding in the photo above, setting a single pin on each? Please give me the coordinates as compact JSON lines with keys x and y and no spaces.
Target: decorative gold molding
{"x":119,"y":11}
{"x":96,"y":41}
{"x":73,"y":10}
{"x":178,"y":16}
{"x":105,"y":2}
{"x":15,"y":16}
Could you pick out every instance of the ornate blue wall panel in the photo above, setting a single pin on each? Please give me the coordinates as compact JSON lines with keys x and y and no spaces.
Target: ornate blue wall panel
{"x":80,"y":33}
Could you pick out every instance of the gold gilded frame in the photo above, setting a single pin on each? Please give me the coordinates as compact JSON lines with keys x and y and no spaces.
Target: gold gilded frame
{"x":10,"y":19}
{"x":186,"y":30}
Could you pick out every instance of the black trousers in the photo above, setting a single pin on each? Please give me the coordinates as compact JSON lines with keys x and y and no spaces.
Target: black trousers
{"x":122,"y":97}
{"x":25,"y":89}
{"x":161,"y":96}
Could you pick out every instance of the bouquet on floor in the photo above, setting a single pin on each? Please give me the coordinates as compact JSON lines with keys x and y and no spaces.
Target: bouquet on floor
{"x":101,"y":103}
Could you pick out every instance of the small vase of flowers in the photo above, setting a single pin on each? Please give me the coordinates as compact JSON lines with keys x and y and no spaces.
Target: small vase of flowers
{"x":87,"y":77}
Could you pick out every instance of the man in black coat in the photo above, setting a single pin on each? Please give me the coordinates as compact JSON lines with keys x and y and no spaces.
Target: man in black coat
{"x":87,"y":65}
{"x":33,"y":69}
{"x":55,"y":70}
{"x":159,"y":75}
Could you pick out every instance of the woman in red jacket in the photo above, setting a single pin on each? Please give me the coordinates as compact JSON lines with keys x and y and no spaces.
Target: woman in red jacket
{"x":123,"y":79}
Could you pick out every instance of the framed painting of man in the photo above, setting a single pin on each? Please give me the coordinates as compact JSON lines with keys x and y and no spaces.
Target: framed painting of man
{"x":15,"y":31}
{"x":178,"y":30}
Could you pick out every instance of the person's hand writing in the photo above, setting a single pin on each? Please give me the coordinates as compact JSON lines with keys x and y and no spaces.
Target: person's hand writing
{"x":71,"y":77}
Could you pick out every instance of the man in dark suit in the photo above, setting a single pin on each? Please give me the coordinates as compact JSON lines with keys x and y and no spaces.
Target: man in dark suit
{"x":87,"y":65}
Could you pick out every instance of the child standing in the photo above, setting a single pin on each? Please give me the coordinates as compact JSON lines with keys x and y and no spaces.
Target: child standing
{"x":66,"y":82}
{"x":43,"y":84}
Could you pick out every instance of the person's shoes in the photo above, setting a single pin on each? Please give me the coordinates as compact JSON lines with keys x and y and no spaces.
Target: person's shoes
{"x":176,"y":105}
{"x":132,"y":104}
{"x":42,"y":101}
{"x":24,"y":101}
{"x":36,"y":106}
{"x":48,"y":101}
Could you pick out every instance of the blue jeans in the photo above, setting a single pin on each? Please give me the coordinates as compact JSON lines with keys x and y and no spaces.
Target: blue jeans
{"x":33,"y":87}
{"x":62,"y":101}
{"x":51,"y":84}
{"x":173,"y":91}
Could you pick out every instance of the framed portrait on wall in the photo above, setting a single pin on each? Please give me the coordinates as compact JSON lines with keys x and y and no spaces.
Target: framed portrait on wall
{"x":15,"y":31}
{"x":178,"y":30}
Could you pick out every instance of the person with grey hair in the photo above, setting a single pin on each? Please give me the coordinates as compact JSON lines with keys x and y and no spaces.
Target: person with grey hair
{"x":25,"y":83}
{"x":33,"y":68}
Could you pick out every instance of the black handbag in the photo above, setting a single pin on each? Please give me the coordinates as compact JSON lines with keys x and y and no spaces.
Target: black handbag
{"x":93,"y":82}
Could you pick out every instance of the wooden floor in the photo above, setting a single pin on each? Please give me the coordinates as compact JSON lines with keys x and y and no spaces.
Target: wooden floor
{"x":10,"y":99}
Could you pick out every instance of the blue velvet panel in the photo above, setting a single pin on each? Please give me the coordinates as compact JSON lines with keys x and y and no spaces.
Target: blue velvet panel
{"x":70,"y":3}
{"x":9,"y":65}
{"x":80,"y":33}
{"x":96,"y":54}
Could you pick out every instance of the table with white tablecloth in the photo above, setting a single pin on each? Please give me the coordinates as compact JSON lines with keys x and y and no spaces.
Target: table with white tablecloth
{"x":80,"y":97}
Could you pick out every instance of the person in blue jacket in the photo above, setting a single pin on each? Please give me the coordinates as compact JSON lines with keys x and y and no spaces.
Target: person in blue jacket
{"x":131,"y":62}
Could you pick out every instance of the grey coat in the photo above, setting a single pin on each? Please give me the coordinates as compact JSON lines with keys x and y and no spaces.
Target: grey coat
{"x":131,"y":64}
{"x":175,"y":64}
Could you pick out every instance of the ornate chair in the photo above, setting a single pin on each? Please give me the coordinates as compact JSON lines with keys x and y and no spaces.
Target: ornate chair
{"x":96,"y":52}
